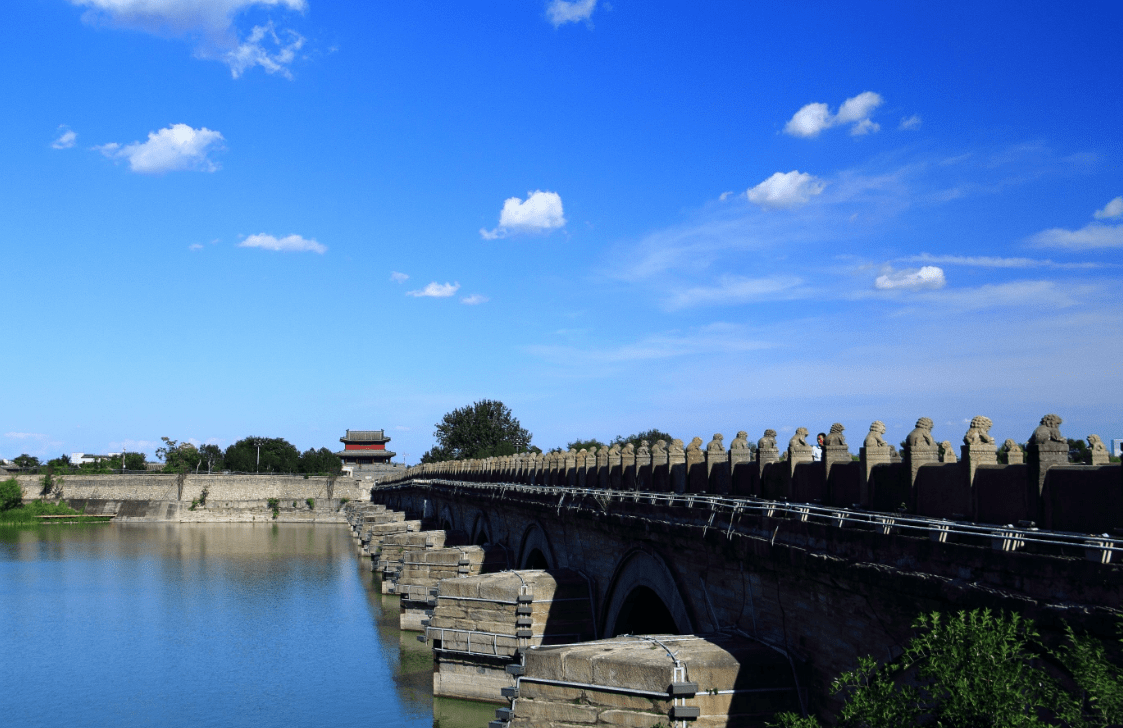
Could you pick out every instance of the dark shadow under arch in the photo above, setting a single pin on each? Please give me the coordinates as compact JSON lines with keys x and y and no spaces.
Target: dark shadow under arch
{"x":535,"y":560}
{"x":643,"y":612}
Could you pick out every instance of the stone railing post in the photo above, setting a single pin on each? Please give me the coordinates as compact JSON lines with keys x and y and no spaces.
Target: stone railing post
{"x":835,"y":450}
{"x":874,"y":451}
{"x":920,"y":450}
{"x":628,"y":467}
{"x":767,"y":451}
{"x":799,"y":451}
{"x":660,"y":468}
{"x":643,"y":467}
{"x":717,"y":466}
{"x":1047,"y":447}
{"x":740,"y":457}
{"x":1100,"y":454}
{"x":583,"y":468}
{"x":695,"y":467}
{"x":571,"y":467}
{"x":676,"y":467}
{"x":601,"y":481}
{"x":978,"y":449}
{"x":615,"y":468}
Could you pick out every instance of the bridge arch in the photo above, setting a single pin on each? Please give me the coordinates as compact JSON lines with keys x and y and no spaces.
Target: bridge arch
{"x":535,"y":551}
{"x":481,"y":530}
{"x":445,"y":520}
{"x":643,"y":598}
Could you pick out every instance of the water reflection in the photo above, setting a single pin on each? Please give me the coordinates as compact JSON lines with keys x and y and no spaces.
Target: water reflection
{"x":199,"y":625}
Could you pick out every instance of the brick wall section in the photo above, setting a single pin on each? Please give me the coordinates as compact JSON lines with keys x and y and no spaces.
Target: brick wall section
{"x":224,"y":488}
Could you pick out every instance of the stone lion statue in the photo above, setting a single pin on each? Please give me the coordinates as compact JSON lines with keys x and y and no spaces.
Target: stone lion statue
{"x":835,"y":438}
{"x":799,"y":439}
{"x":644,"y":448}
{"x":614,"y":450}
{"x":741,"y":442}
{"x":1095,"y":444}
{"x":768,"y":442}
{"x":660,"y":447}
{"x":949,"y":454}
{"x":695,"y":445}
{"x":979,"y":434}
{"x":1011,"y":446}
{"x":629,"y":449}
{"x":715,"y":444}
{"x":921,"y":436}
{"x":676,"y":444}
{"x":1048,"y":431}
{"x":874,"y":439}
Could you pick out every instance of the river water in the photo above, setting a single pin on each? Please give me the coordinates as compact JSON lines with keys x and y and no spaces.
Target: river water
{"x":200,"y":625}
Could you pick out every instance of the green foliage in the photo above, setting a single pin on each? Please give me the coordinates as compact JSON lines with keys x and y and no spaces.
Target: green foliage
{"x":311,"y":503}
{"x":586,"y":444}
{"x":650,"y":435}
{"x":275,"y":505}
{"x":980,"y":669}
{"x":484,"y":429}
{"x":1079,"y":452}
{"x":278,"y":455}
{"x":30,"y":512}
{"x":135,"y":461}
{"x":344,"y":501}
{"x":179,"y":457}
{"x":26,"y":461}
{"x":320,"y":461}
{"x":62,"y":461}
{"x":194,"y":504}
{"x":11,"y":496}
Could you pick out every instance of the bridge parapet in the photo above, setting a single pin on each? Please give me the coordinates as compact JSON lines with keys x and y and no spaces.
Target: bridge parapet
{"x":927,"y":480}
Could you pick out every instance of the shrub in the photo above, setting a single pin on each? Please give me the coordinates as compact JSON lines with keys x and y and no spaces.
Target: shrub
{"x":10,"y":495}
{"x":311,"y":503}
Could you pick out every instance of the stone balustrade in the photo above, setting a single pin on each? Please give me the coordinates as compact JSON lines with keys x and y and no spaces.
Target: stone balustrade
{"x":926,"y":478}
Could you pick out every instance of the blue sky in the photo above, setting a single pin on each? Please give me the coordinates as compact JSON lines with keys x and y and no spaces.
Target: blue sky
{"x":293,"y":217}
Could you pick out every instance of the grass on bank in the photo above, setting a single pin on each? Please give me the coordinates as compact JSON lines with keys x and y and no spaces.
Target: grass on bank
{"x":13,"y":511}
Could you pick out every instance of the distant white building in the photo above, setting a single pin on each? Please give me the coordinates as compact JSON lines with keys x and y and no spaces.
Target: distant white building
{"x":1117,"y":448}
{"x":82,"y":458}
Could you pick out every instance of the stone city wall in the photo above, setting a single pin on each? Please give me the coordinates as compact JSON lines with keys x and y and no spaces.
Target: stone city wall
{"x":221,"y":489}
{"x":929,"y":478}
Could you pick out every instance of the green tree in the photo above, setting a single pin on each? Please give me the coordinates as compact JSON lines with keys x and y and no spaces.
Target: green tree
{"x":10,"y":495}
{"x":135,"y":461}
{"x":278,"y":455}
{"x":319,"y":461}
{"x":62,"y":461}
{"x":1079,"y":452}
{"x":979,"y":669}
{"x":179,"y":457}
{"x":586,"y":444}
{"x":212,"y":457}
{"x":26,"y":461}
{"x":650,"y":435}
{"x":484,"y":429}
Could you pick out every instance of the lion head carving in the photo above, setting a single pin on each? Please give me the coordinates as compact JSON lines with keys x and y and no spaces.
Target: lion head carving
{"x":980,"y":432}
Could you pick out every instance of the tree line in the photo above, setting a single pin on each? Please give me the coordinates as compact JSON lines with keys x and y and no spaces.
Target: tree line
{"x":277,"y":455}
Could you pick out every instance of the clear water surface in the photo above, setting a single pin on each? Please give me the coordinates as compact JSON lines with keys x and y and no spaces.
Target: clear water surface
{"x":200,"y":625}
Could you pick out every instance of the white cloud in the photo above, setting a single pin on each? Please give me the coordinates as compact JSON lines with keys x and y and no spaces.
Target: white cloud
{"x":436,"y":290}
{"x":737,"y":289}
{"x":984,"y":261}
{"x":1111,"y":210}
{"x":540,"y":212}
{"x":253,"y":52}
{"x":1092,"y":235}
{"x":289,"y":244}
{"x":178,"y":147}
{"x":715,"y":338}
{"x":474,"y":300}
{"x":25,"y":435}
{"x":786,"y":190}
{"x":195,"y":246}
{"x":910,"y":122}
{"x":65,"y":139}
{"x":561,"y":12}
{"x":397,"y":277}
{"x":911,"y":279}
{"x":812,"y":119}
{"x":209,"y":24}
